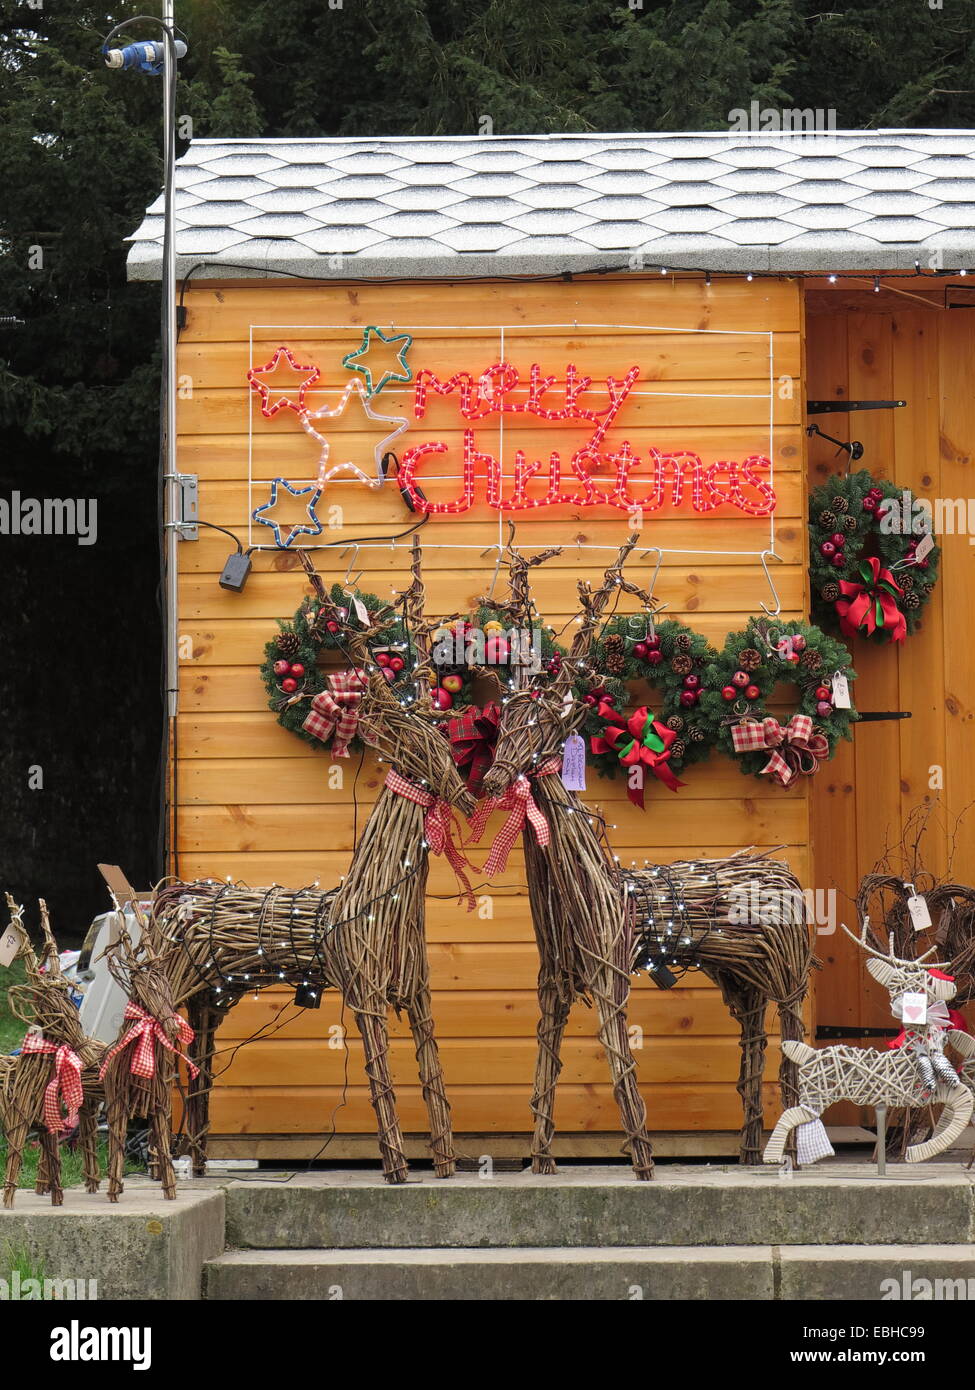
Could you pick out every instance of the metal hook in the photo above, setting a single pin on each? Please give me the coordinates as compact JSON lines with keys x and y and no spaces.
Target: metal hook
{"x":497,"y":568}
{"x":772,"y":612}
{"x":658,"y":608}
{"x":349,"y":582}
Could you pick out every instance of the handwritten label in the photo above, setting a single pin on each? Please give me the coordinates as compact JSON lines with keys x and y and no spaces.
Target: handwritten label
{"x":924,"y":547}
{"x":9,"y":944}
{"x":574,"y":764}
{"x":361,"y":612}
{"x":841,"y":691}
{"x":920,"y":916}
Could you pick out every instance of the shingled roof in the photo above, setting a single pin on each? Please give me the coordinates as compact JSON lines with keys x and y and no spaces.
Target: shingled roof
{"x":538,"y":204}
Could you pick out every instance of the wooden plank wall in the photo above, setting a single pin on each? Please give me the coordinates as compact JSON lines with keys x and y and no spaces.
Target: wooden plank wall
{"x":864,"y":796}
{"x":254,"y":802}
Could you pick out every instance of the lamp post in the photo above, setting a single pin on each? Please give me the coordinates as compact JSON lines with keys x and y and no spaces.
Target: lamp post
{"x":160,"y":58}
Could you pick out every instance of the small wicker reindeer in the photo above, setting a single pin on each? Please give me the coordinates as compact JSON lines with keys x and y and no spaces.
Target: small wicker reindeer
{"x":367,"y":937}
{"x":55,"y":1072}
{"x":915,"y":1072}
{"x":590,"y":917}
{"x":138,"y":1071}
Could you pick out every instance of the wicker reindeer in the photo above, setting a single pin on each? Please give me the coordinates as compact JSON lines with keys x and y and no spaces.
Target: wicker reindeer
{"x":365,"y":938}
{"x":53,"y":1084}
{"x":910,"y":1074}
{"x":593,"y":921}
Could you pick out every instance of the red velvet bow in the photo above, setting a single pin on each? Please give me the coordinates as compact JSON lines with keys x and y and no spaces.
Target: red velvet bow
{"x":872,"y":604}
{"x":473,"y":736}
{"x":641,"y":741}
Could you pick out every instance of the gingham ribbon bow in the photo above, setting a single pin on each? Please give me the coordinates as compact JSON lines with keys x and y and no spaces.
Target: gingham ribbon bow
{"x":794,"y":748}
{"x":65,"y":1084}
{"x":521,"y":805}
{"x":438,"y":828}
{"x":336,"y":710}
{"x":145,"y":1031}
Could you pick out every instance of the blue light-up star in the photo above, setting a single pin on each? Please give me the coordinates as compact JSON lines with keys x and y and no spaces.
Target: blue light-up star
{"x":351,"y":361}
{"x":298,"y":530}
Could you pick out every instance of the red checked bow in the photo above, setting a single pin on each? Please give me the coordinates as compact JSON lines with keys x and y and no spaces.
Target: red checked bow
{"x":642,"y":741}
{"x":438,"y":828}
{"x":145,"y":1031}
{"x":336,"y":710}
{"x":794,"y":749}
{"x":65,"y":1085}
{"x":871,"y":605}
{"x":522,"y":806}
{"x":473,"y":736}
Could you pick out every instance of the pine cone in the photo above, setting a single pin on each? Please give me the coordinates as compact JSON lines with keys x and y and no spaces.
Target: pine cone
{"x":830,"y":592}
{"x":681,"y":665}
{"x":676,"y":722}
{"x":682,"y":642}
{"x":811,"y":660}
{"x":700,"y":660}
{"x":848,"y":524}
{"x":677,"y":749}
{"x":696,"y":734}
{"x":749,"y":659}
{"x":907,"y":583}
{"x":827,"y":520}
{"x":839,"y":504}
{"x":615,"y":663}
{"x":614,"y":643}
{"x":288,"y":643}
{"x":911,"y":601}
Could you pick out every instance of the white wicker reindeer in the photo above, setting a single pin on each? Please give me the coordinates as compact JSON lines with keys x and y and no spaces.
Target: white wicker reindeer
{"x":913,"y":1073}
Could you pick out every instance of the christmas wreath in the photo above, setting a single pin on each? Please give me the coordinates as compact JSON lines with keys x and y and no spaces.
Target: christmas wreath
{"x":738,"y":684}
{"x":469,"y":648}
{"x":671,"y":658}
{"x":871,"y":567}
{"x":318,"y":705}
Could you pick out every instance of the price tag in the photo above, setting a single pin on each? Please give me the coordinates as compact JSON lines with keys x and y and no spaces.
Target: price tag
{"x":924,"y":547}
{"x":841,"y":691}
{"x":361,"y":612}
{"x":574,"y":764}
{"x":914,"y":1008}
{"x":918,"y":908}
{"x":10,"y":943}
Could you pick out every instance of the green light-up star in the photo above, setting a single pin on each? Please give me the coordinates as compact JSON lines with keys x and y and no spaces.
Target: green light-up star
{"x":351,"y":360}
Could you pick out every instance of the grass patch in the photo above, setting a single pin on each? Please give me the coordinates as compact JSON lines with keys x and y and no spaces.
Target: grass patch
{"x":11,"y":1028}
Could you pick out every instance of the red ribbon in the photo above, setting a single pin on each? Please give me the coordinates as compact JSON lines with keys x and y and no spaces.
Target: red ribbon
{"x":521,"y":806}
{"x":643,"y":742}
{"x":871,"y":606}
{"x":65,"y":1085}
{"x":473,"y":736}
{"x":146,"y":1031}
{"x":438,"y":828}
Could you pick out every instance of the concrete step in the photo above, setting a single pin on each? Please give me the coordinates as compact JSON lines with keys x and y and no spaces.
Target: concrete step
{"x":756,"y":1272}
{"x":846,"y":1204}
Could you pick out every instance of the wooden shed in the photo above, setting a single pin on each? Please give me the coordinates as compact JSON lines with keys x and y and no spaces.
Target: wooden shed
{"x":747,"y":277}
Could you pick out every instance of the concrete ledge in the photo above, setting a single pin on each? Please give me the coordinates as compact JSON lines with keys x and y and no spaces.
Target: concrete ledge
{"x":492,"y":1275}
{"x":141,"y":1247}
{"x":588,"y":1207}
{"x":867,"y":1273}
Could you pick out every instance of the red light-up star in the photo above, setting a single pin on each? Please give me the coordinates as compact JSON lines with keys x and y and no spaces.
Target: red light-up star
{"x":272,"y":403}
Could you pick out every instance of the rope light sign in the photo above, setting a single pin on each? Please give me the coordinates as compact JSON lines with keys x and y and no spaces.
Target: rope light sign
{"x":606,"y":470}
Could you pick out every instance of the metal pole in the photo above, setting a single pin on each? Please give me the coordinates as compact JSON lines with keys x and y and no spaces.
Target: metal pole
{"x":881,"y":1141}
{"x":172,"y":504}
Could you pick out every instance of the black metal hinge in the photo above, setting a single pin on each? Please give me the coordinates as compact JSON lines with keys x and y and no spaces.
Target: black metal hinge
{"x":836,"y":407}
{"x":828,"y":1032}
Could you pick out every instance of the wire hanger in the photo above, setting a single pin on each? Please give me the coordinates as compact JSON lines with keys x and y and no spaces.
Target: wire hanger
{"x":349,"y":583}
{"x":771,"y":612}
{"x":658,"y":607}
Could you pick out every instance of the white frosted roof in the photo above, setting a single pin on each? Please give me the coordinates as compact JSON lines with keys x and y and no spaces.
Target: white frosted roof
{"x":539,"y":204}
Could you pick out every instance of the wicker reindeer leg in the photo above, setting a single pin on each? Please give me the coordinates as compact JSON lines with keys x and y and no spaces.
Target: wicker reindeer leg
{"x":375,"y":1041}
{"x":612,"y":992}
{"x":88,"y":1141}
{"x":42,"y":1184}
{"x":553,"y":1012}
{"x":17,"y":1131}
{"x":204,"y":1018}
{"x":118,"y":1124}
{"x":159,"y":1129}
{"x":51,"y":1153}
{"x":431,"y":1080}
{"x":748,"y":1007}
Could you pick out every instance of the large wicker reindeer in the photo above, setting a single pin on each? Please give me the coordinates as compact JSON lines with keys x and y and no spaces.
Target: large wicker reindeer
{"x":593,"y":921}
{"x":911,"y":1074}
{"x":366,"y":938}
{"x":53,"y":1084}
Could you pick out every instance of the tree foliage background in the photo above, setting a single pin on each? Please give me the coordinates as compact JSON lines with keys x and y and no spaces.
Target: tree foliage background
{"x":79,"y":162}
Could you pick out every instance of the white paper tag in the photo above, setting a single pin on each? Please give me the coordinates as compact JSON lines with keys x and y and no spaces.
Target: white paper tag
{"x":914,"y":1009}
{"x":920,"y":916}
{"x":924,"y":547}
{"x":841,"y":691}
{"x":10,"y":943}
{"x":361,"y":612}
